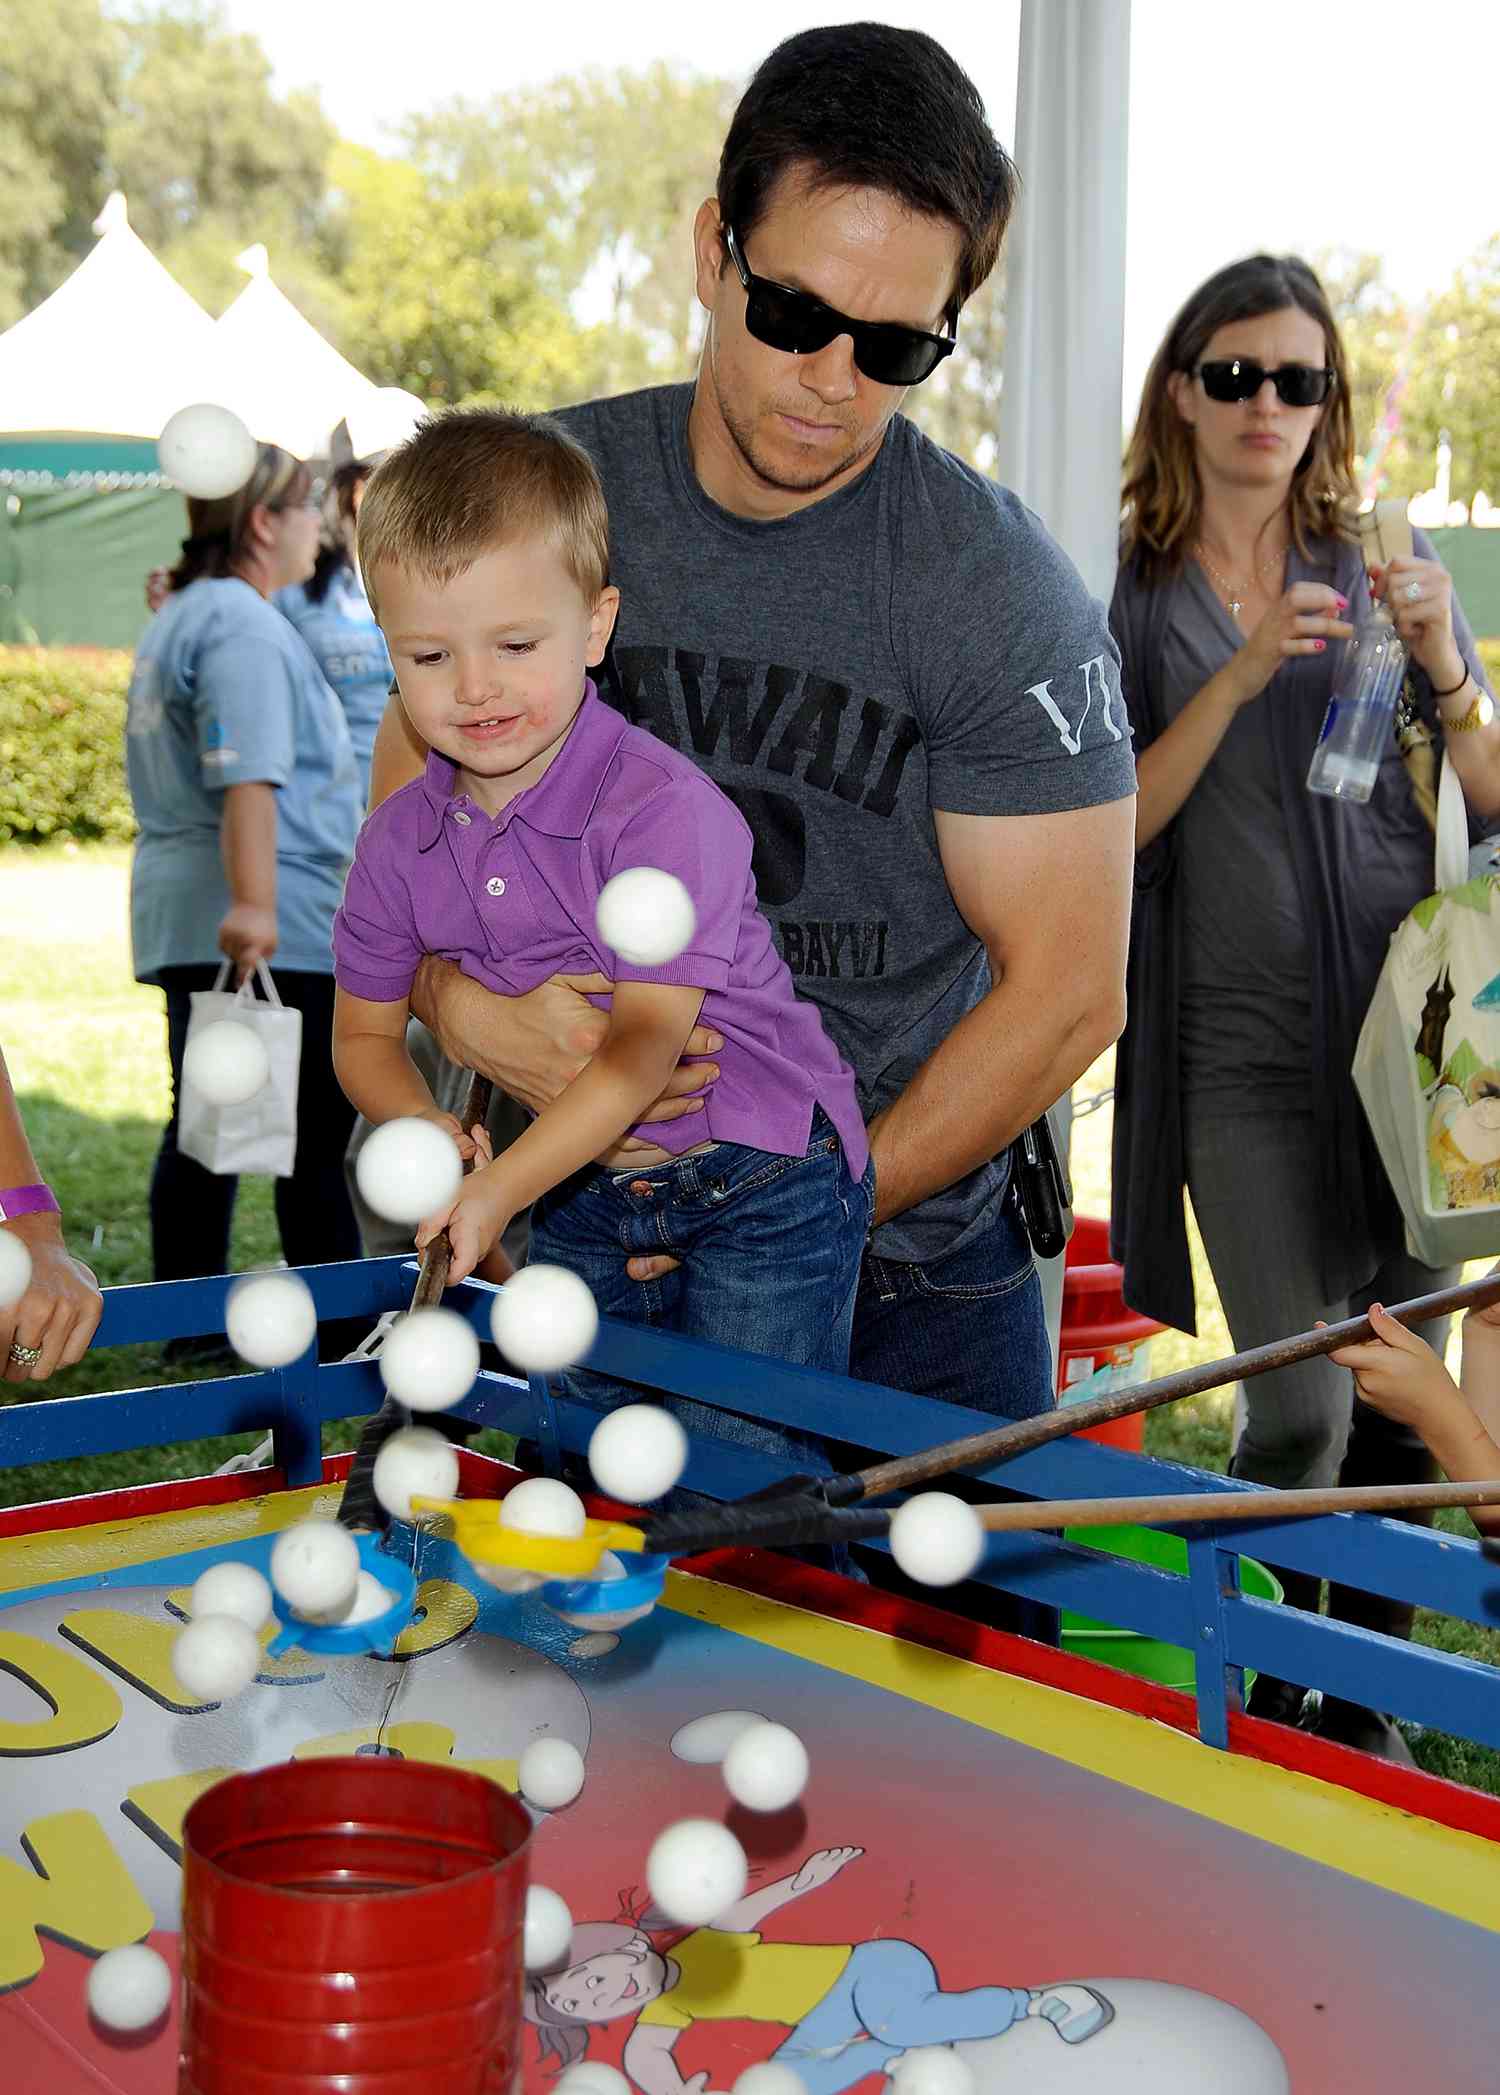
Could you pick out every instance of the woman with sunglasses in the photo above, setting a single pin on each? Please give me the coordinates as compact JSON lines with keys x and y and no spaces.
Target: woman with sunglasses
{"x":246,"y":793}
{"x":1263,"y":911}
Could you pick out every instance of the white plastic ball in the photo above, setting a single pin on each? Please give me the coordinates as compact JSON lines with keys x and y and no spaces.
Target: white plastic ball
{"x":270,"y":1318}
{"x":765,"y":1767}
{"x":206,"y":451}
{"x":932,"y":2069}
{"x":544,"y":1318}
{"x":543,"y":1506}
{"x":646,"y":916}
{"x":226,"y":1063}
{"x":937,"y":1539}
{"x":409,"y":1169}
{"x":370,"y":1598}
{"x":548,"y":1932}
{"x":593,"y":2077}
{"x":129,"y":1989}
{"x":15,"y":1268}
{"x":695,"y":1870}
{"x":315,"y":1569}
{"x":550,"y":1772}
{"x":418,"y":1462}
{"x":637,"y":1453}
{"x":232,"y":1588}
{"x":215,"y":1657}
{"x":430,"y":1359}
{"x":770,"y":2077}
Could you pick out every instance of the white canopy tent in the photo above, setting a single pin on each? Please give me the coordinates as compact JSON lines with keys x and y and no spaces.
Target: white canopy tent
{"x":113,"y":351}
{"x":275,"y":370}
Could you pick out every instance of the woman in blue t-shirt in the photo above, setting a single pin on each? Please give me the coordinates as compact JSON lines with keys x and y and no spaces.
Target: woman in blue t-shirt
{"x":332,"y":613}
{"x":246,"y":792}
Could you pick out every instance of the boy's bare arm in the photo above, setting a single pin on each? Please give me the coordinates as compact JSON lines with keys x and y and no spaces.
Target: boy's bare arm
{"x":375,"y":1072}
{"x":649,"y":1025}
{"x":649,"y":2062}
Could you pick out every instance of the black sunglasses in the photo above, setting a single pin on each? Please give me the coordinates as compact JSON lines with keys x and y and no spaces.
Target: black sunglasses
{"x":1238,"y":378}
{"x":801,"y":324}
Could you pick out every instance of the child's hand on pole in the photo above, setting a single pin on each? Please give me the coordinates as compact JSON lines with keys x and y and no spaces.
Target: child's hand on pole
{"x":1398,"y":1374}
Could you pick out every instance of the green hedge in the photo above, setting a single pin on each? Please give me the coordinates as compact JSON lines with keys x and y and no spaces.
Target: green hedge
{"x":62,"y":744}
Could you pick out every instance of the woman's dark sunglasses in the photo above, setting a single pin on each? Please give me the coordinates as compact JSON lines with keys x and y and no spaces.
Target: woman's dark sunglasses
{"x":1237,"y":378}
{"x":801,"y":324}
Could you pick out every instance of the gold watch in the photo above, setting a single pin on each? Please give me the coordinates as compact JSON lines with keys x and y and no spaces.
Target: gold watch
{"x":1479,"y":712}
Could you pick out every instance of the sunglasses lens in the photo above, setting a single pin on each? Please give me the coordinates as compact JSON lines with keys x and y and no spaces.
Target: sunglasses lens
{"x":788,"y":320}
{"x":1302,"y":385}
{"x":896,"y":360}
{"x":1235,"y":380}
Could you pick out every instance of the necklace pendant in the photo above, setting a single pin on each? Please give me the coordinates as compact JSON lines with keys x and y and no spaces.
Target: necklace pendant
{"x":1235,"y":607}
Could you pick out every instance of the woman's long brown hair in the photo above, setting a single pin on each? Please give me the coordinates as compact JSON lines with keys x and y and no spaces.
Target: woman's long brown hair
{"x":1161,"y":498}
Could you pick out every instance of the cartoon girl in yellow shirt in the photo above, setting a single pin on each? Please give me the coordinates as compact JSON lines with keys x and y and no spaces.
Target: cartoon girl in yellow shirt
{"x":854,"y":2007}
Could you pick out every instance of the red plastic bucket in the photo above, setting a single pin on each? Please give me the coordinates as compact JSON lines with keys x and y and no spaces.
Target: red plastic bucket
{"x":353,"y":1927}
{"x":1099,"y":1332}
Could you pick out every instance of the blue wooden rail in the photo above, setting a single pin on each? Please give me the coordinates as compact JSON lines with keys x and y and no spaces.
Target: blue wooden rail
{"x":1206,"y":1611}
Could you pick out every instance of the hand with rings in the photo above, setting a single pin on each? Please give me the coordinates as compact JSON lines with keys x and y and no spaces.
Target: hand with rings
{"x":1419,"y":596}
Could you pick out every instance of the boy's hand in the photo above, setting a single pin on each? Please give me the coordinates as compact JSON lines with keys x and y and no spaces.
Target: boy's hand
{"x":247,"y":935}
{"x":475,"y":1223}
{"x":474,"y":1144}
{"x":1398,"y":1373}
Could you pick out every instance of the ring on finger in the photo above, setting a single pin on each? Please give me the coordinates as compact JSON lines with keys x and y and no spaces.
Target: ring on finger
{"x":1412,"y":592}
{"x":25,"y":1356}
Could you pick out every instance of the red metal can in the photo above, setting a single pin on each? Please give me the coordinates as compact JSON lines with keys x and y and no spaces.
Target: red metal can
{"x":353,"y":1927}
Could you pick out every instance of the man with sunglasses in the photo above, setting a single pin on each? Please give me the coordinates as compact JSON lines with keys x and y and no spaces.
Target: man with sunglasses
{"x":885,"y":661}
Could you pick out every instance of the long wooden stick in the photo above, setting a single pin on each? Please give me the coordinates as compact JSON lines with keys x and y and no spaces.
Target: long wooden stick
{"x":982,"y":1450}
{"x":1172,"y":1509}
{"x":358,"y":1505}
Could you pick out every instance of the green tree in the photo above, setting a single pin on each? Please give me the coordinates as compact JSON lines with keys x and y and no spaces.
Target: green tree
{"x":443,"y":289}
{"x":59,"y":73}
{"x":1377,"y":330}
{"x":615,"y":165}
{"x":959,"y":406}
{"x":1456,"y":376}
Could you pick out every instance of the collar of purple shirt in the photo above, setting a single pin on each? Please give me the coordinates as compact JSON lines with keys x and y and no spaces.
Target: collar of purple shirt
{"x":562,"y":801}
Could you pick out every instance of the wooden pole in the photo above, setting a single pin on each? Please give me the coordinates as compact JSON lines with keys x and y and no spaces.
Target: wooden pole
{"x":1172,"y":1509}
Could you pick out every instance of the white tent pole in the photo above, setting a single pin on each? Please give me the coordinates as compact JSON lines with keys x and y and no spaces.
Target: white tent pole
{"x":1059,"y":437}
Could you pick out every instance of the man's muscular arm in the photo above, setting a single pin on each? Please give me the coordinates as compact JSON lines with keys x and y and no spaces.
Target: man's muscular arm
{"x":1050,"y":897}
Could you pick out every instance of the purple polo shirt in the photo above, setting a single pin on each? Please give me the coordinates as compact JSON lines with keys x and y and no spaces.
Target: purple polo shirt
{"x":511,"y":899}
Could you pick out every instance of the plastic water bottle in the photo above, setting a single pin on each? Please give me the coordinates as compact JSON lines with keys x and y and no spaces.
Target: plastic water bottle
{"x":1357,"y":726}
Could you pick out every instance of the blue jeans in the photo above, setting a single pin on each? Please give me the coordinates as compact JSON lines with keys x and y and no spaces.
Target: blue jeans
{"x":770,"y":1249}
{"x":969,"y":1328}
{"x":888,"y":2000}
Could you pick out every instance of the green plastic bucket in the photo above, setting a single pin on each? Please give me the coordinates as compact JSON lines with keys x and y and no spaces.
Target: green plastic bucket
{"x":1170,"y":1664}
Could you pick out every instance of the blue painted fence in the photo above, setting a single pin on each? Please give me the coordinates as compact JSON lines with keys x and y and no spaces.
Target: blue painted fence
{"x":1226,"y":1630}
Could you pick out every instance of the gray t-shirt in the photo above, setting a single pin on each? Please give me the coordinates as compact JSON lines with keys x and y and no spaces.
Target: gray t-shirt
{"x":1246,"y":1009}
{"x":914,"y":641}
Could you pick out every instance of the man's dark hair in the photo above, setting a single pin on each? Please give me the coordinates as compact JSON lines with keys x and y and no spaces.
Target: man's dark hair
{"x":865,"y":106}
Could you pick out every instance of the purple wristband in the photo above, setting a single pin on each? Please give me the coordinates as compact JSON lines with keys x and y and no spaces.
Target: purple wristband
{"x":27,"y":1200}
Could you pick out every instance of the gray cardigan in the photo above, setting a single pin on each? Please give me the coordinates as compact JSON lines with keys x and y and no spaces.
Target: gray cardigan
{"x":1369,"y":865}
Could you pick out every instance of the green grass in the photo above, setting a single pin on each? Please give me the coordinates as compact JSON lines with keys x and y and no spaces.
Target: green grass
{"x":87,"y":1053}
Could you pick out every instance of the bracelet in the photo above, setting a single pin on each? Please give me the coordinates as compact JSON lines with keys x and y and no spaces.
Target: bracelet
{"x":1453,"y":689}
{"x":27,"y":1200}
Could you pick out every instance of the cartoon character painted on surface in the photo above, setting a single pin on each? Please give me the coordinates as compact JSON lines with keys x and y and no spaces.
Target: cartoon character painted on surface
{"x":853,"y":2007}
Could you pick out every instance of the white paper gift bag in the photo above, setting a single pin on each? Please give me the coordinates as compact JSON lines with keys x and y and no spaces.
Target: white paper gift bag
{"x":1427,"y":1067}
{"x":260,"y":1135}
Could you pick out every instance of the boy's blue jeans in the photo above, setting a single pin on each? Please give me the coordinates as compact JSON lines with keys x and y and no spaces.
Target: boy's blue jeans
{"x":770,"y":1249}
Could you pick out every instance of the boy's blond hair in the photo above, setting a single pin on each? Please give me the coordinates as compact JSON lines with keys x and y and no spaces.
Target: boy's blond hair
{"x":476,"y":478}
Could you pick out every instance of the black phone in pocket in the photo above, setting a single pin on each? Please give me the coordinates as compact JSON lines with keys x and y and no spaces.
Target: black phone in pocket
{"x":1043,"y":1188}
